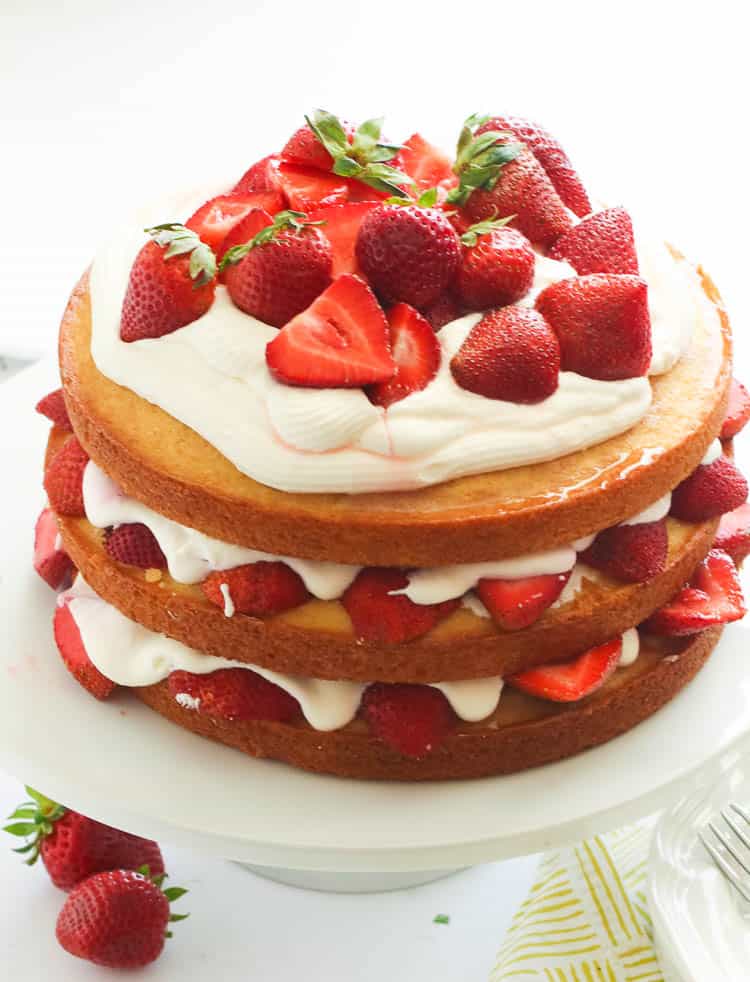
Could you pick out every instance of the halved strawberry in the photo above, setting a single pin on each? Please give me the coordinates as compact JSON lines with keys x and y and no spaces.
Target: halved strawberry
{"x":379,"y":615}
{"x":733,"y":535}
{"x":412,"y":719}
{"x":340,"y":341}
{"x":233,"y":693}
{"x":306,"y":188}
{"x":572,"y":680}
{"x":515,"y":604}
{"x":601,"y":243}
{"x":63,"y":480}
{"x":633,"y":553}
{"x":51,"y":561}
{"x":70,"y":645}
{"x":425,"y":164}
{"x":261,"y":176}
{"x":713,"y":596}
{"x":738,"y":410}
{"x":341,"y":227}
{"x":53,"y":407}
{"x":245,"y":230}
{"x":416,"y":352}
{"x":260,"y":589}
{"x":711,"y":490}
{"x":215,"y":219}
{"x":134,"y":544}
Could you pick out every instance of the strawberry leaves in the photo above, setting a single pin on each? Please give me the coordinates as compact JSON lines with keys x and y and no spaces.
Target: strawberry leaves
{"x":472,"y":234}
{"x":33,"y":820}
{"x":291,"y":221}
{"x":480,"y":159}
{"x":178,"y":240}
{"x":366,"y":158}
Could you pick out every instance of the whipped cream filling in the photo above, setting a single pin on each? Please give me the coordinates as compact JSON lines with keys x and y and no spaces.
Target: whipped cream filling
{"x":130,"y":655}
{"x":713,"y":453}
{"x":212,"y":376}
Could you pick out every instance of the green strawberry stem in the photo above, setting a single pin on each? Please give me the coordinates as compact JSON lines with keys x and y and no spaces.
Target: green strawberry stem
{"x":284,"y":221}
{"x":179,"y":240}
{"x":365,"y":158}
{"x":171,"y":893}
{"x":480,"y":159}
{"x":427,"y":199}
{"x":471,"y":236}
{"x":34,"y":821}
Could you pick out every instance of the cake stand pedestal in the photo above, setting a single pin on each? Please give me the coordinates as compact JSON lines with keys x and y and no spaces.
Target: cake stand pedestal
{"x":123,"y":764}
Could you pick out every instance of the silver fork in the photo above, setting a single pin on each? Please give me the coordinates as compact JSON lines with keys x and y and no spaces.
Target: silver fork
{"x":729,"y":847}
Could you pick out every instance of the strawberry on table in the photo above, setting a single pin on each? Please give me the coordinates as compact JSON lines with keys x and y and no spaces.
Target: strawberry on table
{"x":711,"y":490}
{"x":118,"y":919}
{"x":515,"y":604}
{"x":340,"y":225}
{"x":412,"y":719}
{"x":733,"y":535}
{"x":713,"y":596}
{"x":379,"y":613}
{"x":416,"y":352}
{"x":738,"y":410}
{"x":511,"y":354}
{"x":73,"y":653}
{"x":172,"y":283}
{"x":632,"y":553}
{"x":51,"y":561}
{"x":53,"y":407}
{"x":572,"y":680}
{"x":409,"y":252}
{"x":279,"y":271}
{"x":602,"y":322}
{"x":74,"y":847}
{"x":497,"y":266}
{"x":341,"y":341}
{"x":233,"y":694}
{"x":261,"y":176}
{"x":214,"y":220}
{"x":259,"y":589}
{"x":601,"y":243}
{"x":63,"y":479}
{"x":134,"y":544}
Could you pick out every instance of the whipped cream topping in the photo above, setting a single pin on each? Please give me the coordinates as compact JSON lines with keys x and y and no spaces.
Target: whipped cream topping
{"x":212,"y":376}
{"x":132,"y":656}
{"x":713,"y":453}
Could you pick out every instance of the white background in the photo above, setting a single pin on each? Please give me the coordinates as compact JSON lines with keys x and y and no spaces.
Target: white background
{"x":103,"y":104}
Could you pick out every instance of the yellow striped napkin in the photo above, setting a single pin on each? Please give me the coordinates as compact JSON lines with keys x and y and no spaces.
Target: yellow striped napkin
{"x":586,"y":917}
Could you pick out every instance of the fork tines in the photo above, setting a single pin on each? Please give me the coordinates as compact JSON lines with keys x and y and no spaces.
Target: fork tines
{"x":729,"y":847}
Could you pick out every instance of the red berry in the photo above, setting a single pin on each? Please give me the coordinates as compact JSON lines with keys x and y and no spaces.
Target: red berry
{"x":738,"y":410}
{"x":443,"y":310}
{"x":511,"y":354}
{"x":379,"y":615}
{"x":413,"y":720}
{"x":233,"y":694}
{"x":572,"y":680}
{"x":63,"y":480}
{"x":711,"y":490}
{"x":135,"y":545}
{"x":70,"y":645}
{"x":261,"y":176}
{"x":633,"y":553}
{"x":416,"y":352}
{"x":341,"y":227}
{"x":603,"y":324}
{"x":341,"y":341}
{"x":515,"y":604}
{"x":243,"y":232}
{"x":713,"y":596}
{"x":260,"y":589}
{"x":425,"y":164}
{"x":307,"y":188}
{"x":601,"y":243}
{"x":497,"y":270}
{"x":733,"y":535}
{"x":408,"y":253}
{"x":51,"y":561}
{"x":53,"y":407}
{"x":215,"y":219}
{"x":305,"y":149}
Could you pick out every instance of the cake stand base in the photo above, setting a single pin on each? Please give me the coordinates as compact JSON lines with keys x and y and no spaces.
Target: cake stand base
{"x":332,"y":882}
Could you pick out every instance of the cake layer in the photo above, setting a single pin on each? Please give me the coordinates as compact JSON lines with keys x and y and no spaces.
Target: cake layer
{"x":523,"y":731}
{"x":168,"y":466}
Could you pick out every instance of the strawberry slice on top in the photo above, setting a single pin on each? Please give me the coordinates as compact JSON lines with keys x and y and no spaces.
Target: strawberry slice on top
{"x":713,"y":596}
{"x":340,"y":225}
{"x":572,"y":680}
{"x":341,"y":341}
{"x":261,"y":176}
{"x":306,"y":188}
{"x":416,"y":352}
{"x":215,"y":219}
{"x":515,"y":604}
{"x":427,"y":166}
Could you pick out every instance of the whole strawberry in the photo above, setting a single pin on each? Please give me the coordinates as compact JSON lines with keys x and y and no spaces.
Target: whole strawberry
{"x":497,"y":266}
{"x":601,"y":243}
{"x":172,"y":283}
{"x":134,"y":544}
{"x":118,"y":919}
{"x":409,"y":253}
{"x":74,"y":847}
{"x":280,"y":271}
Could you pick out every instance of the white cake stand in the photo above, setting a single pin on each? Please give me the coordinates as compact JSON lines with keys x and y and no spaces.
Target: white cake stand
{"x":121,"y":763}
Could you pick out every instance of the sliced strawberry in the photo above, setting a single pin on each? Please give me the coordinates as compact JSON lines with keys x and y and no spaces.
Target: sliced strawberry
{"x":233,"y":693}
{"x":259,"y":589}
{"x":515,"y":604}
{"x":713,"y":596}
{"x":412,"y":719}
{"x":511,"y":354}
{"x":214,"y":220}
{"x":711,"y":490}
{"x":603,"y":324}
{"x":571,"y":680}
{"x":341,"y":341}
{"x":135,"y":545}
{"x":416,"y":352}
{"x":51,"y":561}
{"x":306,"y":188}
{"x":341,"y":227}
{"x":733,"y":535}
{"x":262,"y":176}
{"x":70,"y":645}
{"x":378,"y":614}
{"x":63,"y":480}
{"x":445,"y":309}
{"x":738,"y":410}
{"x":601,"y":243}
{"x":425,"y":164}
{"x":633,"y":553}
{"x":245,"y":230}
{"x":53,"y":407}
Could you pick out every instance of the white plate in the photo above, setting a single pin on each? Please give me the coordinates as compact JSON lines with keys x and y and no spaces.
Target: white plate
{"x":700,"y":932}
{"x":123,"y":763}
